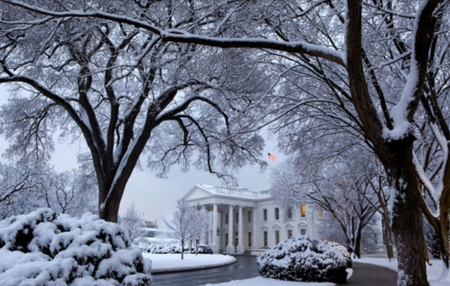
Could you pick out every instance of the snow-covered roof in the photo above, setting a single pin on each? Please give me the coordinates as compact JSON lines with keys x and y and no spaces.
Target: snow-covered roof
{"x":204,"y":191}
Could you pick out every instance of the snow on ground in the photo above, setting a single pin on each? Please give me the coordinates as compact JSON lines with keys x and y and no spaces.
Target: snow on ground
{"x":163,"y":262}
{"x":173,"y":262}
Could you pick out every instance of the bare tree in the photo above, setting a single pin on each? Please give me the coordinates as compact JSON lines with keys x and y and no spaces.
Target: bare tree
{"x":133,"y":223}
{"x":188,"y":222}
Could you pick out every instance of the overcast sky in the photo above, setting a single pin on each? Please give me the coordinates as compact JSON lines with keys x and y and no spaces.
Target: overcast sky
{"x":155,"y":197}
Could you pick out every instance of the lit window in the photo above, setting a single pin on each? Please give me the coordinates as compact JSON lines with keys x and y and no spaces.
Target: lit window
{"x":319,"y":211}
{"x":266,"y":243}
{"x":277,"y":236}
{"x":265,"y":214}
{"x":303,"y":211}
{"x":277,"y":213}
{"x":289,"y":233}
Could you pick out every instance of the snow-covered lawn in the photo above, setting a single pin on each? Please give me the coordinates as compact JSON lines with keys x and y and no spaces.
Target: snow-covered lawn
{"x":167,"y":262}
{"x":171,"y":261}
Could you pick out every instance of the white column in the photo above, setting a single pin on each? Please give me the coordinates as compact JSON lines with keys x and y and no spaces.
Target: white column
{"x":240,"y":247}
{"x":230,"y":247}
{"x":203,"y":236}
{"x":214,"y":245}
{"x":255,"y":234}
{"x":210,"y":233}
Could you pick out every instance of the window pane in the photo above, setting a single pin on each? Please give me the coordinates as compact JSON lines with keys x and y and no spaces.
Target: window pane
{"x":289,"y":233}
{"x":265,"y":214}
{"x":277,"y":213}
{"x":303,"y":211}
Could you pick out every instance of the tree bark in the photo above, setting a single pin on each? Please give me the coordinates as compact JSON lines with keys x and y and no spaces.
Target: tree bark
{"x":388,"y":236}
{"x":407,"y":224}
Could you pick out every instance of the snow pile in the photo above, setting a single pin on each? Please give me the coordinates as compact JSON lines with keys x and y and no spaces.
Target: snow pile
{"x":46,"y":248}
{"x":303,"y":259}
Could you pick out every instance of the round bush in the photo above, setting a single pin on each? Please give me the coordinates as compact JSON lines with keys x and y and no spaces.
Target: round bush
{"x":303,"y":259}
{"x":46,"y":248}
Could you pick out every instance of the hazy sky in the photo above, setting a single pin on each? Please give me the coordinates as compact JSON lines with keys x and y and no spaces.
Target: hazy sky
{"x":155,"y":197}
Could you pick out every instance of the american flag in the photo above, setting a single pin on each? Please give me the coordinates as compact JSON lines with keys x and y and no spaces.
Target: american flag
{"x":271,"y":156}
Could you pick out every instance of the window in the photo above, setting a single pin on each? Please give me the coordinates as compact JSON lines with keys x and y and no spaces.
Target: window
{"x":289,"y":213}
{"x":303,"y":211}
{"x":266,"y":243}
{"x":277,"y":236}
{"x":277,"y":213}
{"x":249,"y":216}
{"x":226,"y":218}
{"x":264,"y":214}
{"x":319,"y":211}
{"x":289,"y":233}
{"x":226,"y":239}
{"x":237,"y":217}
{"x":249,"y":239}
{"x":303,"y":231}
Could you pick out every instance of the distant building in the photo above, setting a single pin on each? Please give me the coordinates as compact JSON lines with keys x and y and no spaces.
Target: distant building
{"x":244,"y":220}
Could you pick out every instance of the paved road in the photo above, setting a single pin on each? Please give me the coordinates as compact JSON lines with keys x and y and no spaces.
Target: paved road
{"x":371,"y":275}
{"x":245,"y":267}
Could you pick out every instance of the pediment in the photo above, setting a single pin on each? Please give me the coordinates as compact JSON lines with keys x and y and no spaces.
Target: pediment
{"x":197,"y":193}
{"x":264,"y":227}
{"x":276,"y":226}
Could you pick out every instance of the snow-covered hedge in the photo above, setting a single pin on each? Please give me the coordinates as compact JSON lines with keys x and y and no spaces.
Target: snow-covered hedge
{"x":303,"y":259}
{"x":169,"y":248}
{"x":46,"y":248}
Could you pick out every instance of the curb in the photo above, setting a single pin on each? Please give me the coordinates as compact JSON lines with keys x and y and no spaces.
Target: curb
{"x":192,"y":268}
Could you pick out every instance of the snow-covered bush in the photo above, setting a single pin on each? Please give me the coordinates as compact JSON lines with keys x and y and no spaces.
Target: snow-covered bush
{"x":342,"y":249}
{"x":173,"y":246}
{"x":46,"y":248}
{"x":303,"y":259}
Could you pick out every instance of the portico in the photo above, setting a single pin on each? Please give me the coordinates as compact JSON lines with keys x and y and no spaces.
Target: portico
{"x":244,"y":220}
{"x":232,"y":220}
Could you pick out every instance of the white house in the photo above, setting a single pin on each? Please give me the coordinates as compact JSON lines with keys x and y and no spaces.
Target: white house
{"x":244,"y":220}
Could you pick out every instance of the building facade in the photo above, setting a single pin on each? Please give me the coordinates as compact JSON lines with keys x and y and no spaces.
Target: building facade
{"x":244,"y":220}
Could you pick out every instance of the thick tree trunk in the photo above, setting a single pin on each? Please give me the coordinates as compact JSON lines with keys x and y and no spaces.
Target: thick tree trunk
{"x":407,"y":224}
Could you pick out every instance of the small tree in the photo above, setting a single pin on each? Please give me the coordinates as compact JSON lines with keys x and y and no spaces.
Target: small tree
{"x":189,"y":222}
{"x":132,"y":222}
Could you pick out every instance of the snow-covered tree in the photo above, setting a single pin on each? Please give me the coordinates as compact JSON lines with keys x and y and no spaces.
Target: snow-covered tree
{"x":377,"y":67}
{"x":132,"y":222}
{"x":27,"y":188}
{"x":188,"y":222}
{"x":199,"y":224}
{"x":337,"y":189}
{"x":125,"y":91}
